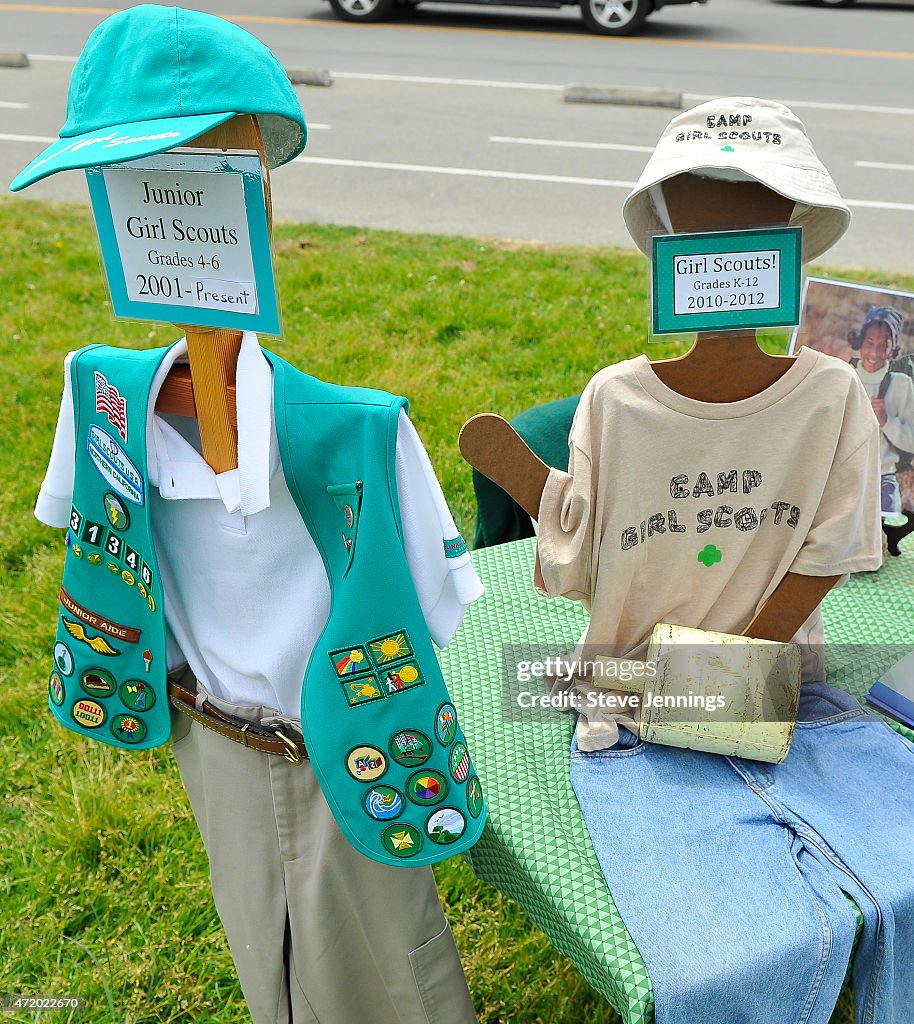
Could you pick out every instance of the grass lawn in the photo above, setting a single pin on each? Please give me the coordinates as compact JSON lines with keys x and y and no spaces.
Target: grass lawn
{"x":103,"y":879}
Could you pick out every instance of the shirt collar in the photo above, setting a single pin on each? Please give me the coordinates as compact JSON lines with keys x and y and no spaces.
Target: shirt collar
{"x":180,"y":471}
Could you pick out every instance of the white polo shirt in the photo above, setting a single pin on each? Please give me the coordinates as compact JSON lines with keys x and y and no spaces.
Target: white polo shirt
{"x":246,"y":593}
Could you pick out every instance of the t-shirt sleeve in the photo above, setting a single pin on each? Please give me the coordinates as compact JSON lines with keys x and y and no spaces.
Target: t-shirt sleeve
{"x":846,"y":533}
{"x":564,"y":552}
{"x":445,"y":580}
{"x":55,"y":496}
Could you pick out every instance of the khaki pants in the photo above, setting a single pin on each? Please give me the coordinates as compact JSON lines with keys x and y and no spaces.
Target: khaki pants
{"x":319,"y":933}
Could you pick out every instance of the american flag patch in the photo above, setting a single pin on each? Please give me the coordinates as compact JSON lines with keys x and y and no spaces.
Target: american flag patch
{"x":108,"y":400}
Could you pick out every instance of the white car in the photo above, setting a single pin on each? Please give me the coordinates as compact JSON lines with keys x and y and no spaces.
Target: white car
{"x":606,"y":17}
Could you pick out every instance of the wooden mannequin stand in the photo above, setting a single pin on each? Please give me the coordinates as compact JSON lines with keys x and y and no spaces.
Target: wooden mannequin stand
{"x":720,"y":367}
{"x":206,"y":390}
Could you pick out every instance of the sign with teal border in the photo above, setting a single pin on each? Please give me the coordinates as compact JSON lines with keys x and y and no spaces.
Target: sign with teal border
{"x":184,"y":239}
{"x":726,"y":280}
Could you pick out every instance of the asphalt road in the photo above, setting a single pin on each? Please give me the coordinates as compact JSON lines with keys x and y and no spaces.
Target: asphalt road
{"x":452,"y":119}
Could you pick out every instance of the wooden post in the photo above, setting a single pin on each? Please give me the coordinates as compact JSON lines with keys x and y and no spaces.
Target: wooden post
{"x":208,"y":392}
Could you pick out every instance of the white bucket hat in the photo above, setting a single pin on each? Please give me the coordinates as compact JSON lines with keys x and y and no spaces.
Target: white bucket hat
{"x":739,"y":138}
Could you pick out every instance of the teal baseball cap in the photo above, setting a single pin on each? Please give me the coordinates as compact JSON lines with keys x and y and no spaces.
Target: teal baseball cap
{"x":151,"y":78}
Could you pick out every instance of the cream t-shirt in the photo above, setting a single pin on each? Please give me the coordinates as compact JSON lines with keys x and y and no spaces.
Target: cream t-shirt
{"x":687,"y":512}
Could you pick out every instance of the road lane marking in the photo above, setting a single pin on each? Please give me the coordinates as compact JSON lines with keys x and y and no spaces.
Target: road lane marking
{"x":266,"y":19}
{"x":565,"y":144}
{"x":462,"y":172}
{"x":854,"y":108}
{"x":434,"y":80}
{"x":883,"y":167}
{"x":27,"y":138}
{"x":555,"y":179}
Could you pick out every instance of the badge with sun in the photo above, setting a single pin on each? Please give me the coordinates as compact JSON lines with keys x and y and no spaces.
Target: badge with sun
{"x":390,"y":648}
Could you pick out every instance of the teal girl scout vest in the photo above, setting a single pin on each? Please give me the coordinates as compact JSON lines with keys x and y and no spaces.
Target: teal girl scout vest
{"x":380,"y":728}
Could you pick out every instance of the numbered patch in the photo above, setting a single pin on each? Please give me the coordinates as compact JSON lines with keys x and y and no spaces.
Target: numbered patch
{"x":113,"y":545}
{"x":93,"y":534}
{"x":445,"y":826}
{"x":76,"y":521}
{"x":131,"y":559}
{"x":98,"y":682}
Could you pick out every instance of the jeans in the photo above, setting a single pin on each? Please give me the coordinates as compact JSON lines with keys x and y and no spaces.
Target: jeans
{"x":731,"y":874}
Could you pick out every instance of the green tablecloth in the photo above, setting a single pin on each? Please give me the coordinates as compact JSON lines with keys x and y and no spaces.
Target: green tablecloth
{"x":535,"y":847}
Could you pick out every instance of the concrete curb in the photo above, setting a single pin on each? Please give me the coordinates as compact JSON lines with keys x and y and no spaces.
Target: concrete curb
{"x":310,"y":76}
{"x":14,"y":60}
{"x":623,"y":95}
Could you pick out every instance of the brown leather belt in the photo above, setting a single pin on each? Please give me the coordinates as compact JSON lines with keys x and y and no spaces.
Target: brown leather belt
{"x":248,"y":734}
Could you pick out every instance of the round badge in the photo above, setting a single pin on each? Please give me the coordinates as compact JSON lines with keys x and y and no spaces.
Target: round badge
{"x":410,"y":748}
{"x":365,"y":764}
{"x":128,"y":577}
{"x":116,"y":511}
{"x":445,"y":826}
{"x":128,"y":728}
{"x":88,"y":713}
{"x":402,"y":840}
{"x":98,"y":682}
{"x":459,"y":762}
{"x":474,"y":796}
{"x":114,"y":567}
{"x":137,"y":695}
{"x":55,"y":688}
{"x":77,"y":550}
{"x":383,"y":803}
{"x":141,"y":589}
{"x":63,"y":659}
{"x":446,"y":724}
{"x":152,"y":604}
{"x":350,"y":516}
{"x":95,"y":558}
{"x":427,"y":788}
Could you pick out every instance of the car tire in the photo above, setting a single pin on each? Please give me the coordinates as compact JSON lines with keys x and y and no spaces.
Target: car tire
{"x":614,"y":17}
{"x":363,"y":10}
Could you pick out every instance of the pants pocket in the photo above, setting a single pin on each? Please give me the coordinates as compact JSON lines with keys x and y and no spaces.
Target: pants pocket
{"x":180,"y":725}
{"x":440,"y":980}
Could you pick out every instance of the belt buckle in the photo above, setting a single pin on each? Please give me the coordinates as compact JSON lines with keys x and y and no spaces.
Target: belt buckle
{"x":291,"y":752}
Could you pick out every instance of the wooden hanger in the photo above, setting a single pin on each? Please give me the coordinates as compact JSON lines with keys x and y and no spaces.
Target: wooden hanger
{"x":205,"y":389}
{"x":720,"y":367}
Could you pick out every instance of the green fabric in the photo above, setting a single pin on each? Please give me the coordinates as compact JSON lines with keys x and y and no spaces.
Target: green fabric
{"x":109,"y":677}
{"x":535,"y":847}
{"x":545,"y":428}
{"x":373,"y":725}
